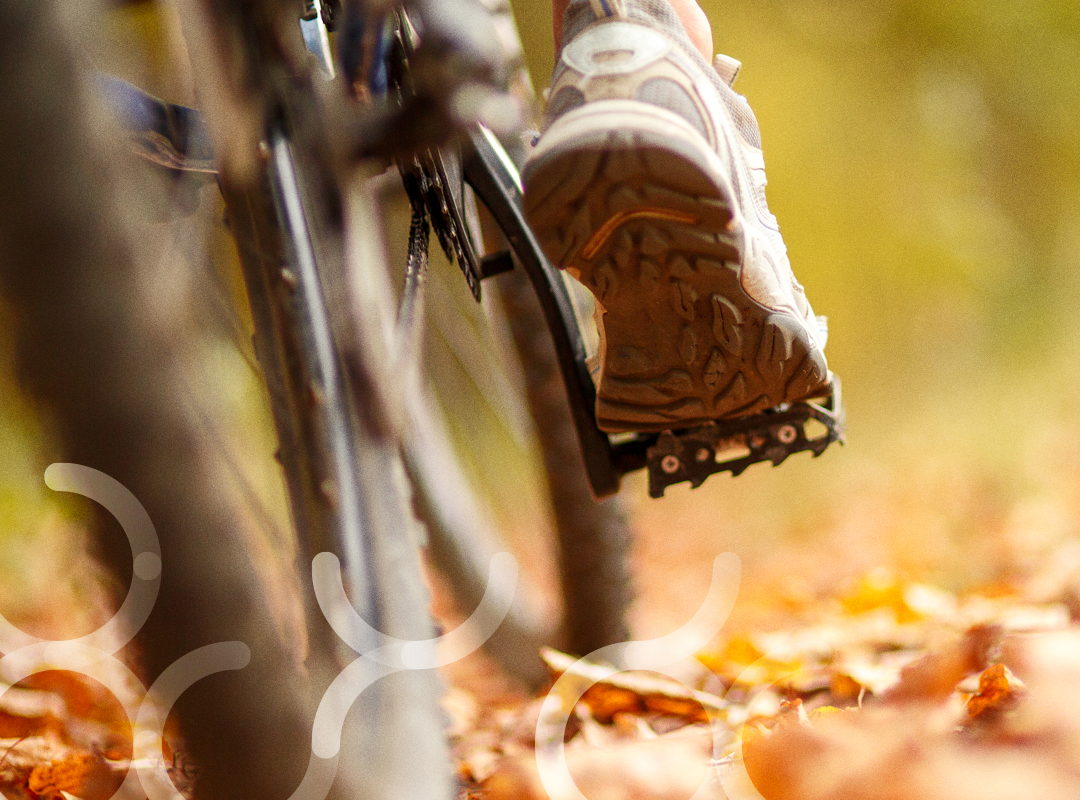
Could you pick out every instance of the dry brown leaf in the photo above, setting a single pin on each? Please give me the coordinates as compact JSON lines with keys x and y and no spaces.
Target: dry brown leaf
{"x":912,"y":737}
{"x":29,"y":712}
{"x":18,"y":757}
{"x":605,"y":700}
{"x":1049,"y":665}
{"x":85,"y":775}
{"x":95,"y":717}
{"x":635,"y":692}
{"x":66,"y":775}
{"x":896,"y":753}
{"x":667,"y":768}
{"x":998,"y":690}
{"x":844,"y":689}
{"x":934,"y":676}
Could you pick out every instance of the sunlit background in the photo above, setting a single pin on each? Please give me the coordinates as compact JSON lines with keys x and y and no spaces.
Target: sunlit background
{"x":924,"y":162}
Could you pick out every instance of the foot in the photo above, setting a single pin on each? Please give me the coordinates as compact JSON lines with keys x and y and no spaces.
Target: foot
{"x":647,"y":185}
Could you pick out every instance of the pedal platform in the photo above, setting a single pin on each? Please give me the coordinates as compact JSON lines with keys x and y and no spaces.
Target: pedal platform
{"x":691,"y":454}
{"x":733,"y":445}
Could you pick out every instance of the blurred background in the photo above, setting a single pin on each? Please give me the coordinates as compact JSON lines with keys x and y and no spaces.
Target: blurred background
{"x":924,"y":162}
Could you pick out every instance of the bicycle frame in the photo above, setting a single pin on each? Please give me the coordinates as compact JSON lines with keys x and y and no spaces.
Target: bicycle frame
{"x":690,"y":455}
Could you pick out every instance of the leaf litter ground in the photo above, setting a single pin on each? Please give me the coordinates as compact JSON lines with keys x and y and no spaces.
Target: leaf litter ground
{"x":887,"y":690}
{"x":874,"y":686}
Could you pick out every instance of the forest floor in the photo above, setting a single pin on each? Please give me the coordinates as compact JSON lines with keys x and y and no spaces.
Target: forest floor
{"x":886,"y":689}
{"x":828,"y":680}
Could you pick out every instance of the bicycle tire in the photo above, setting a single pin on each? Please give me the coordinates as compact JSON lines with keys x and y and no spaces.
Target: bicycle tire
{"x":105,"y":374}
{"x":346,"y":474}
{"x":107,"y":371}
{"x":593,"y":536}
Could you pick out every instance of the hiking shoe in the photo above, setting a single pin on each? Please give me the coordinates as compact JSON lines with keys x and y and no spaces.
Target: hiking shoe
{"x":647,"y":185}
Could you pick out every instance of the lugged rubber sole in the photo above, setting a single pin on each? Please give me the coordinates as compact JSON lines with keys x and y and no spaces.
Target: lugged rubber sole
{"x":638,"y":214}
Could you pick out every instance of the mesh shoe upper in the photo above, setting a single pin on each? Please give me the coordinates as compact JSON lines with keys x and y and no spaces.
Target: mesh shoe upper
{"x":648,"y":184}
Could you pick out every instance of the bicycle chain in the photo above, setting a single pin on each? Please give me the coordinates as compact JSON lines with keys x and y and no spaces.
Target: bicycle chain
{"x":432,"y":186}
{"x":433,"y":178}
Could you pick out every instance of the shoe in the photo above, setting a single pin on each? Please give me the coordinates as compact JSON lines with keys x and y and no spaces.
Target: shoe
{"x":647,"y":186}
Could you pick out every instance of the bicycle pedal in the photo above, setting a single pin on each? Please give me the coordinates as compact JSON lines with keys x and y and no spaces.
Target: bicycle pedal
{"x":733,"y":445}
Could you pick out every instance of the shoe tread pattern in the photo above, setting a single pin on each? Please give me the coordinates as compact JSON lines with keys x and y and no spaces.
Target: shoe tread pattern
{"x":685,"y":343}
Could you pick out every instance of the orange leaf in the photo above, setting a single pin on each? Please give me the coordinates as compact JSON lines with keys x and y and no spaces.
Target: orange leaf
{"x":934,"y":676}
{"x":880,"y":591}
{"x":997,"y":690}
{"x":66,"y":775}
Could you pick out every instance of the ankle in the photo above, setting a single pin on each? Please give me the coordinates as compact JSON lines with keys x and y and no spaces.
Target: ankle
{"x":689,"y":12}
{"x":696,"y":25}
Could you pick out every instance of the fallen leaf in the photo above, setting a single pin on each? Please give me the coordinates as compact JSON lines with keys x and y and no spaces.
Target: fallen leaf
{"x":934,"y":676}
{"x":634,"y":692}
{"x":880,"y":590}
{"x":66,"y":775}
{"x":998,"y":689}
{"x":667,"y":768}
{"x":30,"y":712}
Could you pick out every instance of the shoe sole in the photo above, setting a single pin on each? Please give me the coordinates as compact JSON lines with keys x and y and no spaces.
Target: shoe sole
{"x":621,"y":196}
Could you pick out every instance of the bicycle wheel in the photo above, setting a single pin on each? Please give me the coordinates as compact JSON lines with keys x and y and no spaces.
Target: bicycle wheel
{"x":593,"y":536}
{"x":108,"y":372}
{"x":333,"y":400}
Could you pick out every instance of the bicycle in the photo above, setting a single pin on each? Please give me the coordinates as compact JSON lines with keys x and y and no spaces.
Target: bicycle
{"x":288,"y":197}
{"x":60,"y":378}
